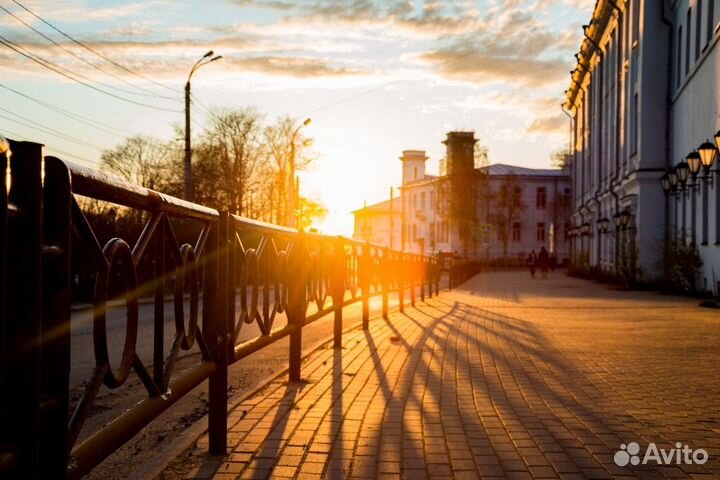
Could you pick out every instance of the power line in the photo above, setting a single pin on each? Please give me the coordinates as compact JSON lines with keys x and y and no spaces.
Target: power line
{"x":122,"y":67}
{"x":18,"y":136}
{"x":200,"y":104}
{"x":148,"y":93}
{"x":71,"y":75}
{"x":103,"y":127}
{"x":50,"y":131}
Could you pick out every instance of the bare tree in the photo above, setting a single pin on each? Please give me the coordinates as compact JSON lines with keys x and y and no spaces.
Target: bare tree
{"x":226,"y":160}
{"x":560,"y":157}
{"x":289,"y":152}
{"x":141,"y":160}
{"x":506,"y":208}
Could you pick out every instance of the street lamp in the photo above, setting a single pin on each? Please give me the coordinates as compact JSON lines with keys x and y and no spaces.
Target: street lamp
{"x":665,"y":183}
{"x":187,"y":170}
{"x":293,"y":194}
{"x":625,"y":218}
{"x":708,"y":152}
{"x":603,"y":224}
{"x":683,"y":172}
{"x":674,"y":180}
{"x":694,"y":163}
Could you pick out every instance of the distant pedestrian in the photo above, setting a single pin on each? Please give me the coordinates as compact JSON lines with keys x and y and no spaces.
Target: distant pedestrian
{"x":553,"y":262}
{"x":544,"y":262}
{"x":532,"y":262}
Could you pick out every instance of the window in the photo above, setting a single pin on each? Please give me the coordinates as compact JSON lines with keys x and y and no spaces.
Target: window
{"x":698,"y":28}
{"x":432,"y":200}
{"x":415,"y":204}
{"x":679,"y":56}
{"x":415,"y":173}
{"x":414,"y":232}
{"x":634,"y":118}
{"x":687,"y":41}
{"x":517,"y":196}
{"x":541,"y":232}
{"x":422,"y":201}
{"x":432,"y":232}
{"x":516,"y":232}
{"x":710,"y":20}
{"x":541,"y":198}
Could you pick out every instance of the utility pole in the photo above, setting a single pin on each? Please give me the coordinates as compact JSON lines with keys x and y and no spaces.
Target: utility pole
{"x":187,"y":165}
{"x":291,"y":191}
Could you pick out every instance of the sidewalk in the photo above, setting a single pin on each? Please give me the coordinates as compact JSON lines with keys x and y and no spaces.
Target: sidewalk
{"x":506,"y":377}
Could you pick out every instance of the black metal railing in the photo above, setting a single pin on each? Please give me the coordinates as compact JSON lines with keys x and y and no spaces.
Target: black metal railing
{"x":228,"y":273}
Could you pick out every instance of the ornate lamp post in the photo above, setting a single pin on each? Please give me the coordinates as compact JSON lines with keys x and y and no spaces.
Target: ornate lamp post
{"x":707,"y":153}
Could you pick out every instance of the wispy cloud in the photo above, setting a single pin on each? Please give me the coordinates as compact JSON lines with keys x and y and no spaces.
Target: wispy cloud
{"x":555,"y":125}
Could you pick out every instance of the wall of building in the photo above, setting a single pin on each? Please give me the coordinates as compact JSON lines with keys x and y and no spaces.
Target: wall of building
{"x":695,"y":110}
{"x":428,"y":228}
{"x":637,"y":113}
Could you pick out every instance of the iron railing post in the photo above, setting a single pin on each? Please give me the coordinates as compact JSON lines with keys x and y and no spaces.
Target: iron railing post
{"x":215,"y":331}
{"x":159,"y":307}
{"x":421,"y":276}
{"x":399,"y":267}
{"x":438,"y":274}
{"x":385,"y":280}
{"x":337,"y":289}
{"x":296,"y":276}
{"x":6,"y":448}
{"x":364,"y":273}
{"x":412,"y":277}
{"x":20,"y":372}
{"x":54,"y":391}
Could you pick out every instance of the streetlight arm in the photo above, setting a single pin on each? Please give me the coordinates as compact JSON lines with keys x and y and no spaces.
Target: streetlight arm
{"x":202,"y":62}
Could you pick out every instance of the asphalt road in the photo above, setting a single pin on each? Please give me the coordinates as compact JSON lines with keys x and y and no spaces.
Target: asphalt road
{"x":82,"y":350}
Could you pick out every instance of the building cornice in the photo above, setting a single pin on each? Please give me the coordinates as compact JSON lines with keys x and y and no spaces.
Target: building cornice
{"x":601,"y":20}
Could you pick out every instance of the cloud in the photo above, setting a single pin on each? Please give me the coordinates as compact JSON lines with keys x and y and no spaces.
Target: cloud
{"x":80,"y":13}
{"x":556,"y":125}
{"x":486,"y":66}
{"x":297,"y":67}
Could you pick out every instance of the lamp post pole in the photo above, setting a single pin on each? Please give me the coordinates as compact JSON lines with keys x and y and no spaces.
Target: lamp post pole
{"x":294,"y":193}
{"x":187,"y":165}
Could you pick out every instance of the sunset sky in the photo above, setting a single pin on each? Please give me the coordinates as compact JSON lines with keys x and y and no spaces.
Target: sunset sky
{"x":376,"y":77}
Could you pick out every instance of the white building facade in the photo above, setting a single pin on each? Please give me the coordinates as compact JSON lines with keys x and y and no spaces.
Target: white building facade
{"x":421,"y":219}
{"x":644,"y":95}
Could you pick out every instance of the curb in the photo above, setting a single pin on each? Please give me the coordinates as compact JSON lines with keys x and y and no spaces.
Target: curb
{"x":195,"y":431}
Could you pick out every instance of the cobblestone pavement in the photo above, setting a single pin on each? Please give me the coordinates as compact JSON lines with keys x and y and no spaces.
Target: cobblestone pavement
{"x":506,"y":377}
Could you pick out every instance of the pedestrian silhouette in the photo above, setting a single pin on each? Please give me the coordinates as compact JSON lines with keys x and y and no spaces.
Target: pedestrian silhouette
{"x":544,"y":262}
{"x":532,"y":262}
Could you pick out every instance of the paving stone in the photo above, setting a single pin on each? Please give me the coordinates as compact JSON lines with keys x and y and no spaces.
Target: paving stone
{"x":505,"y":377}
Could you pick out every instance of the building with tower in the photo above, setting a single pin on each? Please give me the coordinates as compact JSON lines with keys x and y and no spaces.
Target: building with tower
{"x":480,"y":212}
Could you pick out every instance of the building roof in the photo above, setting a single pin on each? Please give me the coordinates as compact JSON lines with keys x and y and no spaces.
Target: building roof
{"x":425,"y":179}
{"x":503,"y":169}
{"x":382,"y":207}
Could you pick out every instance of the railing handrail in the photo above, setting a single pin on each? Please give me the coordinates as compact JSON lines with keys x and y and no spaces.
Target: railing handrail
{"x":99,"y":185}
{"x":303,"y":268}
